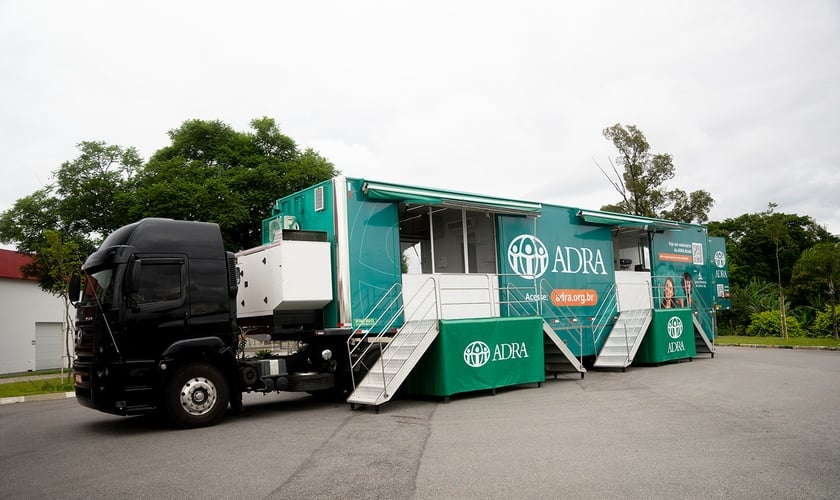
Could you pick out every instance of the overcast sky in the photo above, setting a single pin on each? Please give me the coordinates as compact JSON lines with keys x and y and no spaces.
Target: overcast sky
{"x":496,"y":98}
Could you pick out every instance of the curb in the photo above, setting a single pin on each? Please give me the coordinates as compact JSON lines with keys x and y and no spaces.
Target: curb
{"x":37,"y":397}
{"x":800,"y":347}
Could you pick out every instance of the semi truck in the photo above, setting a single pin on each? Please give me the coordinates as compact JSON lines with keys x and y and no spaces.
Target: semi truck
{"x":157,"y":326}
{"x":357,"y":278}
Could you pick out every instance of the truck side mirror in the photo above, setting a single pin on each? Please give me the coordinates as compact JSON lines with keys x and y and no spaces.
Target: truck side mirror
{"x":74,"y":288}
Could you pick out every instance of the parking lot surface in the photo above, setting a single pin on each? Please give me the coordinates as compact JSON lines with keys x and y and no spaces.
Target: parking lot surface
{"x":750,"y":423}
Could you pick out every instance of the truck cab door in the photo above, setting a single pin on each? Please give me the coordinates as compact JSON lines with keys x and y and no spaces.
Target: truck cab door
{"x":156,"y":303}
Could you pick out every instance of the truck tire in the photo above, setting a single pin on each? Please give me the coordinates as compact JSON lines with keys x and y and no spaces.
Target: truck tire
{"x":368,"y":361}
{"x":196,"y":396}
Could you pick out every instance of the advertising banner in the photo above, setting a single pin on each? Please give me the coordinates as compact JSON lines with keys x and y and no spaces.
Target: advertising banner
{"x":471,"y":355}
{"x":555,"y":266}
{"x":720,"y":276}
{"x":671,"y":336}
{"x":682,"y":275}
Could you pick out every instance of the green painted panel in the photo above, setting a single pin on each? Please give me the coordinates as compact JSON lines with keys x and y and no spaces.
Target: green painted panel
{"x":374,"y":248}
{"x":720,"y":277}
{"x":471,"y":355}
{"x":313,"y":210}
{"x":681,"y":265}
{"x":558,"y":266}
{"x":670,"y":337}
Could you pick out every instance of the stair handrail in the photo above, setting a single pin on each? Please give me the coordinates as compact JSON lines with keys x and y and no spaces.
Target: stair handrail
{"x":433,"y":306}
{"x":395,"y":343}
{"x":362,"y":333}
{"x":565,"y":311}
{"x":604,"y":315}
{"x":516,"y":304}
{"x":701,"y":309}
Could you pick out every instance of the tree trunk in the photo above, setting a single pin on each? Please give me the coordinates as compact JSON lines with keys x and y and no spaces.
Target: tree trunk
{"x":781,"y":295}
{"x":833,"y":293}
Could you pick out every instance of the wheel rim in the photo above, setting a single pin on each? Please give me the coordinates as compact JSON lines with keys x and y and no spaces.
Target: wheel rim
{"x":198,"y":396}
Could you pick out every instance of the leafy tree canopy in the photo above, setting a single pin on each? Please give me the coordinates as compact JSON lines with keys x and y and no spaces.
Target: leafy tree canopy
{"x":209,"y":172}
{"x":751,"y":244}
{"x":642,"y":183}
{"x":213,"y":173}
{"x":816,"y":277}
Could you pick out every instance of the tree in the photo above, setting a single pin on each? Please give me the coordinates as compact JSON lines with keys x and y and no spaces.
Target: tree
{"x":94,"y":190}
{"x":209,"y":172}
{"x":774,"y":229}
{"x":751,"y":250}
{"x":58,"y":260}
{"x":641,"y":185}
{"x":763,"y":248}
{"x":817,"y":274}
{"x":24,"y":224}
{"x":213,"y":173}
{"x":89,"y":196}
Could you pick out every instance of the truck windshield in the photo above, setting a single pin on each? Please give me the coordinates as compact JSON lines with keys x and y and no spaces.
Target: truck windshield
{"x":100,"y":284}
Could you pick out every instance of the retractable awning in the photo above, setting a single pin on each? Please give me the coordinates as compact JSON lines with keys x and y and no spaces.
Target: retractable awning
{"x":426,"y":196}
{"x":624,"y":220}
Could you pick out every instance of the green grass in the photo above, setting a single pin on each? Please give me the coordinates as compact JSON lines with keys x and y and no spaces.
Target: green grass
{"x":39,"y":372}
{"x":796,"y":341}
{"x":33,"y":387}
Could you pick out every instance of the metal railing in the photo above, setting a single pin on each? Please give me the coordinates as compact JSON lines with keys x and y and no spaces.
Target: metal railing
{"x":694,"y":301}
{"x":554,"y":311}
{"x":376,"y":325}
{"x":605,"y":316}
{"x":558,"y":305}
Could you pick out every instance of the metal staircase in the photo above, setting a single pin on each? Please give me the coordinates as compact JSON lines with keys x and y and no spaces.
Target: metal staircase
{"x":395,"y":363}
{"x":400,"y":352}
{"x":701,"y":340}
{"x":558,"y":357}
{"x":624,"y":339}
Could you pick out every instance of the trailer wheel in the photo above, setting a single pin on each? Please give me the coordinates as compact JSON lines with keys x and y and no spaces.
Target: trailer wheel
{"x":196,"y":396}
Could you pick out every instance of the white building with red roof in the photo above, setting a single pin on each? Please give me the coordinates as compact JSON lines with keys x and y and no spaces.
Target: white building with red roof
{"x":31,"y":320}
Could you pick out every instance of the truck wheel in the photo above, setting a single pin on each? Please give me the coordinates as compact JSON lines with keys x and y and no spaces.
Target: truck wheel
{"x":196,"y":396}
{"x":368,"y":361}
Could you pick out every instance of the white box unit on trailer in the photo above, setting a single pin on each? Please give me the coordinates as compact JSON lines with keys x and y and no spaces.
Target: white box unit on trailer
{"x":288,"y":275}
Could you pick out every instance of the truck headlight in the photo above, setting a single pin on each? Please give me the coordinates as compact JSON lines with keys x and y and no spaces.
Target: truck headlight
{"x":326,"y":354}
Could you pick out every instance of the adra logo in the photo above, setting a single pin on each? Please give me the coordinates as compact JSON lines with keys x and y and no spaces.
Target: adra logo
{"x":675,"y":330}
{"x":675,"y":327}
{"x":720,"y":259}
{"x":478,"y":354}
{"x":527,"y":256}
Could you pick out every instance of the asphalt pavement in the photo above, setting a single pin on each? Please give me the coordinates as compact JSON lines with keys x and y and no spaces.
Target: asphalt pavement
{"x":750,"y":423}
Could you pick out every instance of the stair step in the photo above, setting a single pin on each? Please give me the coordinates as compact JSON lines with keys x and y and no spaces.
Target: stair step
{"x":558,"y":357}
{"x":398,"y":358}
{"x":624,"y":339}
{"x":611,"y":361}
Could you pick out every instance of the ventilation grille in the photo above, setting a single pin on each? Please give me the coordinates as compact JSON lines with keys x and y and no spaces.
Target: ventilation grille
{"x":232,"y":272}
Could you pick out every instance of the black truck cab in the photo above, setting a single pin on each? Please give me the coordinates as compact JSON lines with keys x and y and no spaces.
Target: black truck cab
{"x":160,"y":295}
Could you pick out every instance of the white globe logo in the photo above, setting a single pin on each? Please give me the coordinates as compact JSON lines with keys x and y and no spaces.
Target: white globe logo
{"x":476,"y":354}
{"x":720,"y":259}
{"x":527,"y":256}
{"x":675,"y":327}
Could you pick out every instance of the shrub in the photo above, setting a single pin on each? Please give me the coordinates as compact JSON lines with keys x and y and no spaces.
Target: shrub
{"x":822,"y":323}
{"x":769,"y":324}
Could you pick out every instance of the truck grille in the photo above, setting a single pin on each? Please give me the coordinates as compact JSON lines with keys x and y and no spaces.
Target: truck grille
{"x":84,"y":342}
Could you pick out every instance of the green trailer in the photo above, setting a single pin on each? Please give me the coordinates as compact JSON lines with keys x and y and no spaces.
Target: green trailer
{"x":406,"y":259}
